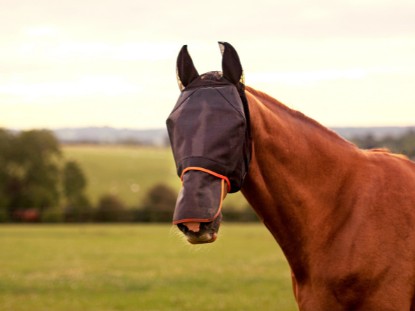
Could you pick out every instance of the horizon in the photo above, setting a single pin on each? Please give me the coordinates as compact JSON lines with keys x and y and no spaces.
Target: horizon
{"x":164,"y":129}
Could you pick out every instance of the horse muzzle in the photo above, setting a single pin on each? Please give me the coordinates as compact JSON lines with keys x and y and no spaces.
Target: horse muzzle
{"x":198,"y":207}
{"x":201,"y":233}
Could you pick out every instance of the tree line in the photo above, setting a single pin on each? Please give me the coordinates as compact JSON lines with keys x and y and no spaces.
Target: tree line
{"x":38,"y":185}
{"x":404,"y":144}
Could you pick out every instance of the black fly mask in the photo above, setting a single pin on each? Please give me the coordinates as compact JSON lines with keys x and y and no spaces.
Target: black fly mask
{"x":210,"y":136}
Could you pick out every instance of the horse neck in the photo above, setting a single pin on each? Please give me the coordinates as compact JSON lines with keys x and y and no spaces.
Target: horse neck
{"x":297,"y":168}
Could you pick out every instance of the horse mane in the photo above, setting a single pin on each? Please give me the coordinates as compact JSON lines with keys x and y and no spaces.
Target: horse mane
{"x":388,"y":152}
{"x":297,"y":114}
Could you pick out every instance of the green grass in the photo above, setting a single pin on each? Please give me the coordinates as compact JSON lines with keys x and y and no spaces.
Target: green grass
{"x":140,"y":267}
{"x":129,"y":172}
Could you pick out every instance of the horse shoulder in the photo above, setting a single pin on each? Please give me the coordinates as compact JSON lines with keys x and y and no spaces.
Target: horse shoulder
{"x":378,"y":223}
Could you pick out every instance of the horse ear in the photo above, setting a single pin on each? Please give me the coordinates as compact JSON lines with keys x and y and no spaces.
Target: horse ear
{"x":186,"y":71}
{"x":231,"y":65}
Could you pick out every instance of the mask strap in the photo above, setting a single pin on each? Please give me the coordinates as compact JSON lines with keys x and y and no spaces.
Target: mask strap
{"x":196,"y":168}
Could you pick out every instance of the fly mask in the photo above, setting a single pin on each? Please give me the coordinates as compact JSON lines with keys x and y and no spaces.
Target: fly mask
{"x":209,"y":135}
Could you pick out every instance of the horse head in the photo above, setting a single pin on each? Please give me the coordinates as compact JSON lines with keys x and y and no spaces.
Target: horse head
{"x":210,"y":139}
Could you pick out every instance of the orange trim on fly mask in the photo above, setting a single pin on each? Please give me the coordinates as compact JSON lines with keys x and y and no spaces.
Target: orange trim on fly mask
{"x":196,"y":168}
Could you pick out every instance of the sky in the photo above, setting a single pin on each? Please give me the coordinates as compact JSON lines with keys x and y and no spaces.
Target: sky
{"x":72,"y":63}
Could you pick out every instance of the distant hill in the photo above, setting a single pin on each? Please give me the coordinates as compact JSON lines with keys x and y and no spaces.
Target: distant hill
{"x":159,"y":137}
{"x":377,"y":132}
{"x":109,"y":135}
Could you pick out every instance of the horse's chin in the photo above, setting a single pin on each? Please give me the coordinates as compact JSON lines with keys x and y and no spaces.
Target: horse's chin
{"x":200,"y":233}
{"x":207,"y":237}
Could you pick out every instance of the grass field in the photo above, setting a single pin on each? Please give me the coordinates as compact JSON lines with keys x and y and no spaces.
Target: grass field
{"x":122,"y":170}
{"x":129,"y":171}
{"x":140,"y":267}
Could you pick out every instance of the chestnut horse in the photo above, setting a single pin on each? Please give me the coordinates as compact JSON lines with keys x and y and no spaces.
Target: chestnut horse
{"x":344,"y":217}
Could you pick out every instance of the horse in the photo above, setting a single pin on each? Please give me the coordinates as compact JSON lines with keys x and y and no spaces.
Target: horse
{"x":344,"y":217}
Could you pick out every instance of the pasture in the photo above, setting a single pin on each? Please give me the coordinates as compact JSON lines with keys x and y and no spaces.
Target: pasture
{"x":140,"y":267}
{"x":126,"y":171}
{"x":129,"y":171}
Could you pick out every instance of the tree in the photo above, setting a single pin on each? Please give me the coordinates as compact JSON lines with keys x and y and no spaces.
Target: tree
{"x":78,"y":207}
{"x":110,"y":209}
{"x":408,"y":144}
{"x":404,"y":144}
{"x":367,"y":142}
{"x":34,"y":175}
{"x":158,"y":205}
{"x":5,"y":150}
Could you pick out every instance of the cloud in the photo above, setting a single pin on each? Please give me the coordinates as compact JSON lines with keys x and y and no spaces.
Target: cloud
{"x":41,"y":31}
{"x":64,"y":49}
{"x":84,"y":86}
{"x":304,"y":78}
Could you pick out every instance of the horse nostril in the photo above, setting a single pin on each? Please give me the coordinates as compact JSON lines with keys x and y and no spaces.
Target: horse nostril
{"x":182,"y":228}
{"x":193,"y":226}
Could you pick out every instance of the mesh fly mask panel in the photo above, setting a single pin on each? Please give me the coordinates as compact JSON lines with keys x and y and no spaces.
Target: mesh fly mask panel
{"x":209,"y":134}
